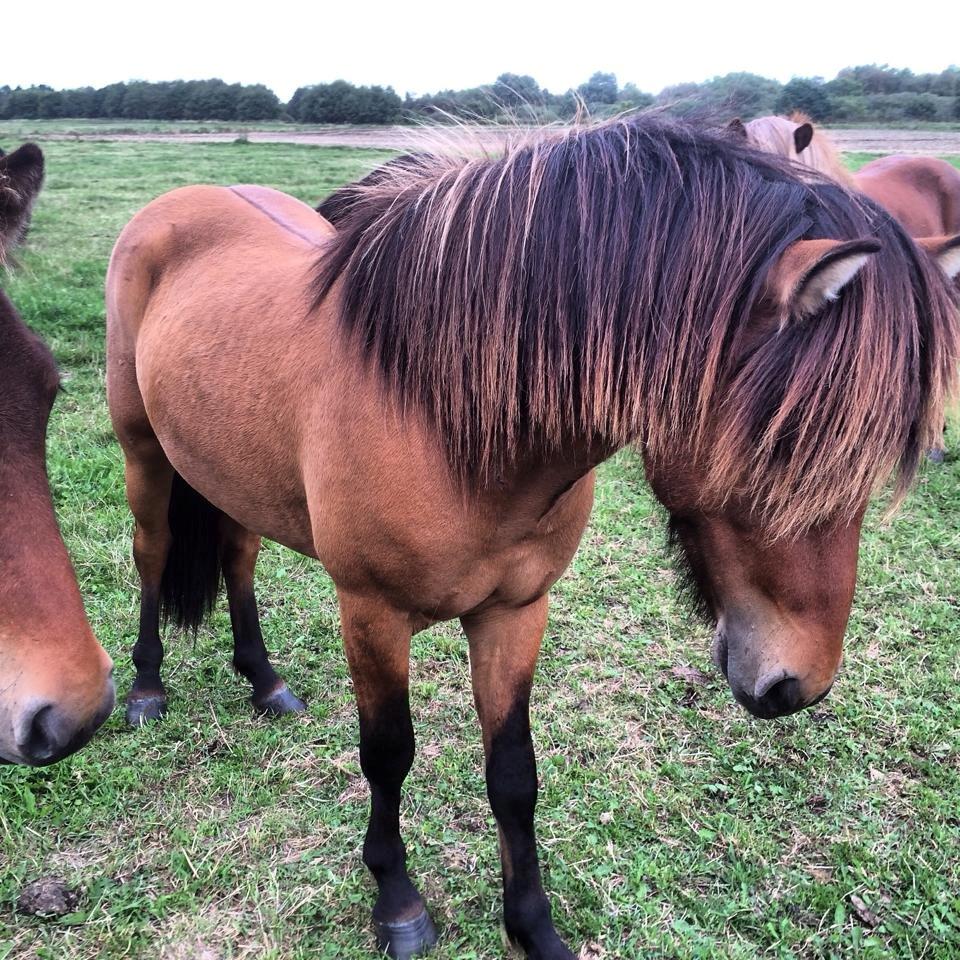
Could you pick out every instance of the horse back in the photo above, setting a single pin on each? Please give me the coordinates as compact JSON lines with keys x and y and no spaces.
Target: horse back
{"x":923,"y":193}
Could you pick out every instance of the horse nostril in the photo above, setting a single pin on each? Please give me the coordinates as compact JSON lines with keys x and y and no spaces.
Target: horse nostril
{"x":41,"y":737}
{"x":778,"y":694}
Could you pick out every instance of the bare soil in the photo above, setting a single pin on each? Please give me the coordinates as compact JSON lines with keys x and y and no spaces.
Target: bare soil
{"x":863,"y":140}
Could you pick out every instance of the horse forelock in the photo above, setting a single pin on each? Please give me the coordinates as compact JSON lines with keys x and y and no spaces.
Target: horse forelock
{"x":594,"y":283}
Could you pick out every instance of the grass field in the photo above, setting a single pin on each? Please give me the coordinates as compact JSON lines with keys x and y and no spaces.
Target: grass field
{"x":671,"y":823}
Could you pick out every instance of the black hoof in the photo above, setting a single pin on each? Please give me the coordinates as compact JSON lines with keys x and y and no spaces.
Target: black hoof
{"x":548,"y":947}
{"x":144,"y":710}
{"x":281,"y":701}
{"x":936,"y":455}
{"x":408,"y":939}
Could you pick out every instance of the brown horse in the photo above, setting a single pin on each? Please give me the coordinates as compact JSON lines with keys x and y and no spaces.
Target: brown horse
{"x":419,"y":400}
{"x":55,"y":686}
{"x":923,"y":193}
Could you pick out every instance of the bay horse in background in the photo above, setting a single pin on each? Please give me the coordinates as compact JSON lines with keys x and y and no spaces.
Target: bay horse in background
{"x":418,"y":399}
{"x":55,"y":679}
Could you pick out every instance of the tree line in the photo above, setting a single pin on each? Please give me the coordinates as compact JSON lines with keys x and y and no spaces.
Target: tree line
{"x":864,"y":94}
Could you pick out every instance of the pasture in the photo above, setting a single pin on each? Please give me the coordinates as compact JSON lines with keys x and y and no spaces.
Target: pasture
{"x":671,"y":823}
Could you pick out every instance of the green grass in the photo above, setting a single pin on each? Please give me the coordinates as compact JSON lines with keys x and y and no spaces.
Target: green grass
{"x":671,"y":823}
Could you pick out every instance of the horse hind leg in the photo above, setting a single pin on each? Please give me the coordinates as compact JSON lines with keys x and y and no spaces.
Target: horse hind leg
{"x":239,"y":549}
{"x":148,"y":480}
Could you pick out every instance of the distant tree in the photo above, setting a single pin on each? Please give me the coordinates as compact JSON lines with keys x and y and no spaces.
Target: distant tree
{"x":806,"y":96}
{"x":141,"y":101}
{"x":946,"y":83}
{"x":49,"y":103}
{"x":600,"y":88}
{"x":212,"y":100}
{"x":514,"y":90}
{"x":678,"y":93}
{"x":172,"y":100}
{"x":112,"y":99}
{"x":25,"y":102}
{"x":742,"y":94}
{"x":844,"y":85}
{"x":342,"y":102}
{"x":257,"y":103}
{"x":878,"y":78}
{"x":82,"y":102}
{"x":631,"y":95}
{"x":921,"y":106}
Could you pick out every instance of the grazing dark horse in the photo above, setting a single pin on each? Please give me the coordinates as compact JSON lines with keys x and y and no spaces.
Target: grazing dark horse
{"x":923,"y":193}
{"x":418,"y":400}
{"x":55,"y":686}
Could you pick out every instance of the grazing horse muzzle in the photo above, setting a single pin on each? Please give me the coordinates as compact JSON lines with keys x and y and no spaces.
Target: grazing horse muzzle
{"x":765,"y":684}
{"x":41,"y":723}
{"x":46,"y":732}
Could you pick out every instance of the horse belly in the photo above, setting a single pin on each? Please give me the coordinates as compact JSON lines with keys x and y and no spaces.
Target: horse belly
{"x":217,"y":401}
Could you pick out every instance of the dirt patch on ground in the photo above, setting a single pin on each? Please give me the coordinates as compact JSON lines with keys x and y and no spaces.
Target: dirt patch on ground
{"x":863,"y":140}
{"x":377,"y":138}
{"x":406,"y":138}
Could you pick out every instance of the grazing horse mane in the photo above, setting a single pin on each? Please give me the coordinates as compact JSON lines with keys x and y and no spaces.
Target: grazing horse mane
{"x":776,"y":135}
{"x":598,"y":283}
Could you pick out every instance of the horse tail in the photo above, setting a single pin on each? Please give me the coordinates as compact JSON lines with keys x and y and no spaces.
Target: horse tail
{"x":192,"y":575}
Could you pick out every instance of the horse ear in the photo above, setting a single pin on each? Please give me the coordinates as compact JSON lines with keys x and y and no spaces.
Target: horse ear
{"x":946,"y":251}
{"x":736,"y":129}
{"x":812,"y":273}
{"x":802,"y":136}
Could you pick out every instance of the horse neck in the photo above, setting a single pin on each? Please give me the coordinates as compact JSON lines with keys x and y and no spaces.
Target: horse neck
{"x":827,"y":160}
{"x":538,"y":480}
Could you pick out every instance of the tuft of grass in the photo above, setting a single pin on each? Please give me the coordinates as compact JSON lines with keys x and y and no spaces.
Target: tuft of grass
{"x":671,"y":824}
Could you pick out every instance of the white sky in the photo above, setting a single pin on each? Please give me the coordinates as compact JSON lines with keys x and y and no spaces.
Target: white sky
{"x":423,"y":45}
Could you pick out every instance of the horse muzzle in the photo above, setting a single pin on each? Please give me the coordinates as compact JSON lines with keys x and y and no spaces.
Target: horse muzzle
{"x":765,"y":687}
{"x":45,"y":732}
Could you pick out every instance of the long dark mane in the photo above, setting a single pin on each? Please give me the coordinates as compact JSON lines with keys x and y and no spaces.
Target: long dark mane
{"x":596,"y":282}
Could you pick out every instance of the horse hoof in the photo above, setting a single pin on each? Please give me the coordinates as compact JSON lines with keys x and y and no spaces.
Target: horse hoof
{"x":936,"y":455}
{"x":407,"y":939}
{"x":281,"y":701}
{"x":553,"y":949}
{"x":144,"y":710}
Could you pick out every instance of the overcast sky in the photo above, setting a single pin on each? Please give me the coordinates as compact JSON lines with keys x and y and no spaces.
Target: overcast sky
{"x":422,"y":46}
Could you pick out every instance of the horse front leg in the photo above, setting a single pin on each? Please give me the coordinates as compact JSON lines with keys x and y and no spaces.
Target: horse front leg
{"x":504,"y":645}
{"x":377,"y":641}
